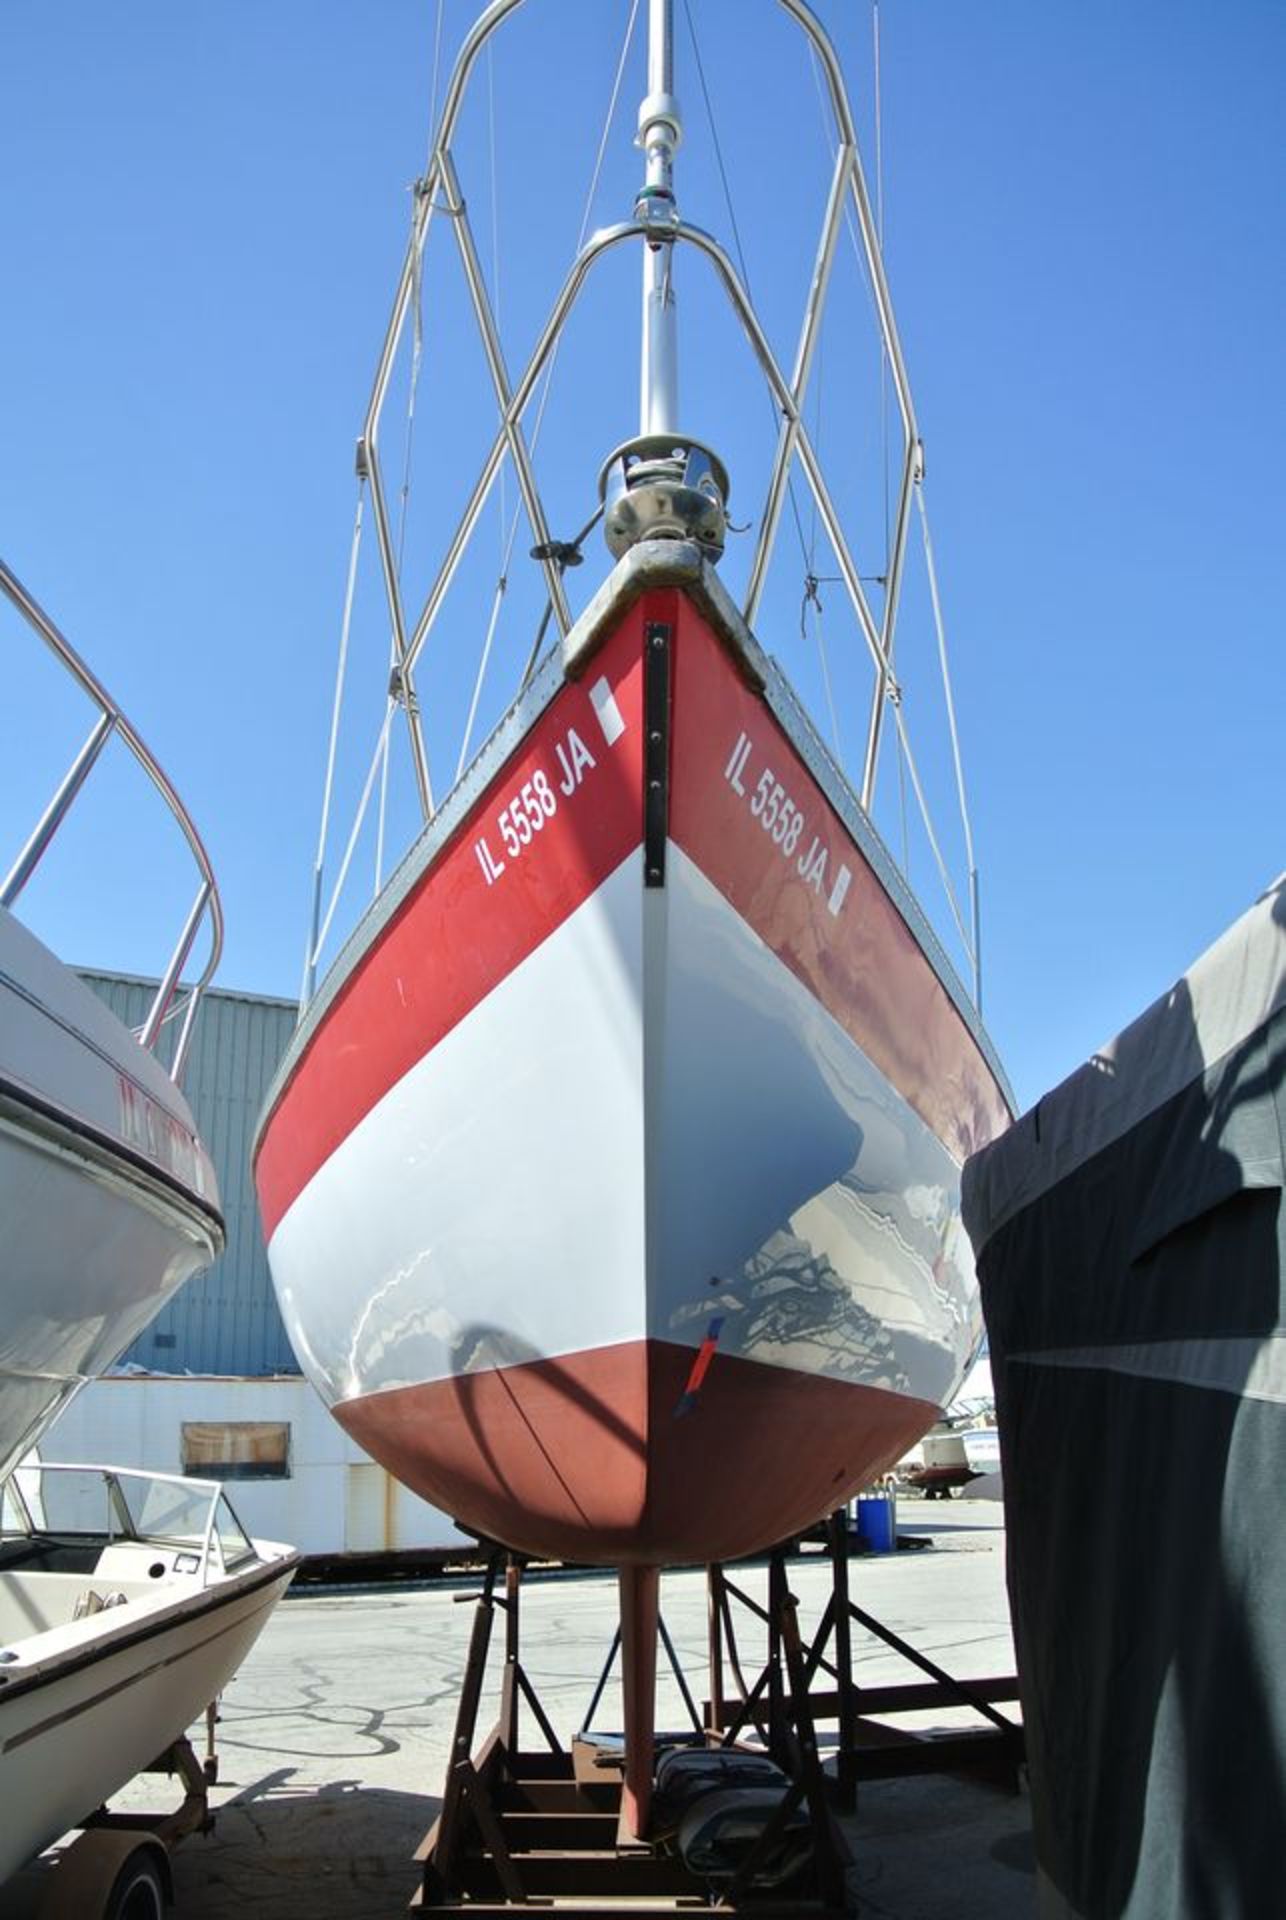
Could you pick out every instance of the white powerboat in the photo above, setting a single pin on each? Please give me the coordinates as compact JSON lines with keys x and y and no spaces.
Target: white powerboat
{"x":108,"y":1196}
{"x":127,"y":1601}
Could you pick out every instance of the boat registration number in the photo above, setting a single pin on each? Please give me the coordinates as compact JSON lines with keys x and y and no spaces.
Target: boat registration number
{"x":784,"y":822}
{"x":528,"y":812}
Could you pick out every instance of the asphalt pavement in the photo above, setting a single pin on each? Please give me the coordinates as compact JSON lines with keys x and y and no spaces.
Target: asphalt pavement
{"x":335,"y":1735}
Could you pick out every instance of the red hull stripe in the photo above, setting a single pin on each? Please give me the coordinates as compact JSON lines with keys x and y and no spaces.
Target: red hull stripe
{"x":581,"y":1456}
{"x":749,"y":814}
{"x":561,"y":816}
{"x":744,"y":808}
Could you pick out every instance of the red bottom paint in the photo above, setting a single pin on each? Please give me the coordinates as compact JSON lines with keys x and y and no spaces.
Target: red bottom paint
{"x":607,"y":1457}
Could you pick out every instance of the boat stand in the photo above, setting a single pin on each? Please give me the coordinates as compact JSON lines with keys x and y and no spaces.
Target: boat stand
{"x":521,"y":1827}
{"x":867,"y":1747}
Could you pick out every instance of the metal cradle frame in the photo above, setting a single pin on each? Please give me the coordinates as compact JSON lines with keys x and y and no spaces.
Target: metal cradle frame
{"x":867,"y":1747}
{"x":520,"y":1827}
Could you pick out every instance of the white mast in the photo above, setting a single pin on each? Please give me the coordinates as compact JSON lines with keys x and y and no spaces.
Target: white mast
{"x":660,"y":130}
{"x":665,"y":485}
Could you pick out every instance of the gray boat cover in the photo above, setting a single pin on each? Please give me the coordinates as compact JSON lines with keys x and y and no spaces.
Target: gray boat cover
{"x":1130,"y":1237}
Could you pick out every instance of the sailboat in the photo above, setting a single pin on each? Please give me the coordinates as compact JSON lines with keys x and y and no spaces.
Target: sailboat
{"x":611,"y":1180}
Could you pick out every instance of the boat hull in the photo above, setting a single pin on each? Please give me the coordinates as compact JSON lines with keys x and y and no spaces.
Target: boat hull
{"x":613,"y":1190}
{"x":609,"y":1455}
{"x":108,"y":1198}
{"x":96,"y":1715}
{"x":93,"y":1249}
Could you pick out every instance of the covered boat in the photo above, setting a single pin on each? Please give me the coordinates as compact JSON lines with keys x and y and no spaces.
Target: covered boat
{"x":1132,"y":1244}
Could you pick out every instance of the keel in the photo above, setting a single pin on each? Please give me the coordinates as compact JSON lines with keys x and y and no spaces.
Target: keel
{"x":639,"y":1588}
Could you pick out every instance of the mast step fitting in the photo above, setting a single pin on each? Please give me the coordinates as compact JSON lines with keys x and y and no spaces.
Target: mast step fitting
{"x":664,"y":486}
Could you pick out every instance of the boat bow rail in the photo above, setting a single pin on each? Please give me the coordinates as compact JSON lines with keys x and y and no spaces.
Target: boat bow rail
{"x":169,"y":1002}
{"x":658,"y":230}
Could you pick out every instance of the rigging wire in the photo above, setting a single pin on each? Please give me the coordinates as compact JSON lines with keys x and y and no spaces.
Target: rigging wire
{"x":505,"y":548}
{"x":850,"y":222}
{"x":433,"y":90}
{"x":926,"y":821}
{"x":741,"y":253}
{"x":404,"y":500}
{"x":811,"y":579}
{"x":895,"y":697}
{"x":417,"y":349}
{"x":381,"y":749}
{"x":417,"y":284}
{"x":940,"y":626}
{"x":812,"y":582}
{"x":417,"y":355}
{"x":382,"y":811}
{"x":879,"y":234}
{"x":894,"y":690}
{"x":501,"y":477}
{"x":974,"y":944}
{"x":314,"y":940}
{"x":906,"y":764}
{"x":507,"y":552}
{"x":496,"y":601}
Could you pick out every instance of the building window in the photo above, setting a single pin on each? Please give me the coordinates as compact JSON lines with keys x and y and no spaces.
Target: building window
{"x":237,"y":1449}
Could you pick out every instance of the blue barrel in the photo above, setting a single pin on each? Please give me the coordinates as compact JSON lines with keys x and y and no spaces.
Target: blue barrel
{"x":877,"y":1521}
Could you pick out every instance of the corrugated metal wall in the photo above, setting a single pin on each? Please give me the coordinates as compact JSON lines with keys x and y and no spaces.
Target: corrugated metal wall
{"x":226,"y":1320}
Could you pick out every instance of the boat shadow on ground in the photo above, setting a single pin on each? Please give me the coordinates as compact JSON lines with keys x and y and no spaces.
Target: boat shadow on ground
{"x":278,"y":1848}
{"x":282,"y":1848}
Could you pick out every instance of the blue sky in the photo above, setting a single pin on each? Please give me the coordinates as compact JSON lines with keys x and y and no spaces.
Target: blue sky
{"x":203,"y":213}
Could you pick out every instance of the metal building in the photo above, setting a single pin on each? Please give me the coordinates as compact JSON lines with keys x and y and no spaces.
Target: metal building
{"x":224,"y":1321}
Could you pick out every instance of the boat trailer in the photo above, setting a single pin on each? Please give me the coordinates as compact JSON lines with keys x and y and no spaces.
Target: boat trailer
{"x":118,"y":1867}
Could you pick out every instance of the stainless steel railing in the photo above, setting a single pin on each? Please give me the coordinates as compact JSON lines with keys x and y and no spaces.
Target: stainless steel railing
{"x":111,"y":721}
{"x":439,"y":195}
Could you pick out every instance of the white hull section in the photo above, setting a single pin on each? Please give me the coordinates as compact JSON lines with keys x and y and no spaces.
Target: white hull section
{"x":61,"y":1047}
{"x":786,"y":1167}
{"x":91,"y":1253}
{"x":108,"y":1199}
{"x":489,"y":1210}
{"x":649,"y":1123}
{"x":90,"y":1725}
